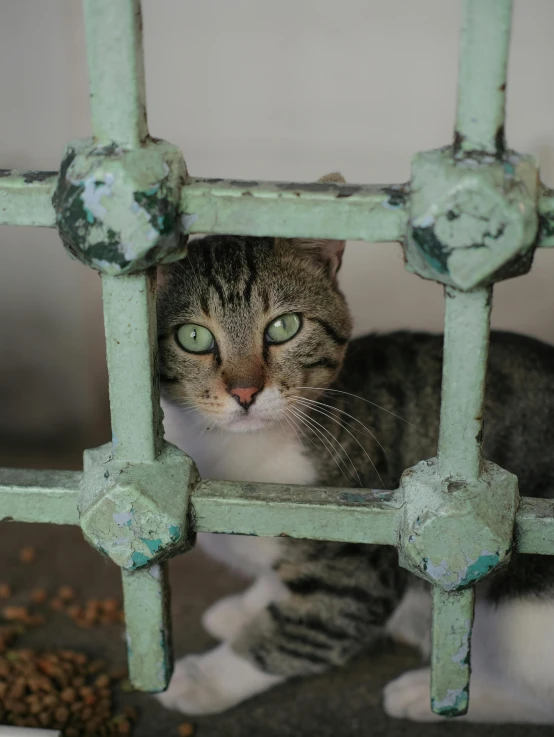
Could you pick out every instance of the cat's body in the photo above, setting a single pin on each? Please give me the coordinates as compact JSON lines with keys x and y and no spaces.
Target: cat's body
{"x":313,"y":605}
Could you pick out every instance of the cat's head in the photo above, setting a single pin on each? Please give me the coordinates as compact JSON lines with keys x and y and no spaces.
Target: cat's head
{"x":246,"y":323}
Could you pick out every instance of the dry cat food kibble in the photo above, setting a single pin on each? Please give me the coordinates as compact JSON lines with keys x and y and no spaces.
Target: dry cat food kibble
{"x":186,"y":729}
{"x":59,"y":690}
{"x":27,"y":555}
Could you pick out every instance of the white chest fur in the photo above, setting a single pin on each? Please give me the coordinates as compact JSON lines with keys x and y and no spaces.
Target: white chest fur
{"x":273,"y":455}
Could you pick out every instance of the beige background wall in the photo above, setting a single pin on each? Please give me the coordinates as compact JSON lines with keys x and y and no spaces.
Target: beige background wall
{"x":249,"y":89}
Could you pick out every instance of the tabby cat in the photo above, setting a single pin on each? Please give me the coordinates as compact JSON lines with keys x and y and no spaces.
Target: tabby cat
{"x":261,"y":382}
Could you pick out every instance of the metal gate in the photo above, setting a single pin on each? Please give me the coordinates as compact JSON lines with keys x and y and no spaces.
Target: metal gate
{"x":473,"y":214}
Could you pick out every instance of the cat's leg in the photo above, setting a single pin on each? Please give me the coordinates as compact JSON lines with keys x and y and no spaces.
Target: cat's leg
{"x":227,"y":616}
{"x":214,"y":682}
{"x":338,"y":600}
{"x":512,"y":677}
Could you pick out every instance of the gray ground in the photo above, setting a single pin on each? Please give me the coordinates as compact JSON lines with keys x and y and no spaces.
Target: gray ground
{"x":341,"y":703}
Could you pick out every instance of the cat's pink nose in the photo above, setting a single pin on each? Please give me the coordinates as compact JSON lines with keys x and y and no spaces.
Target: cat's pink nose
{"x":245,"y":396}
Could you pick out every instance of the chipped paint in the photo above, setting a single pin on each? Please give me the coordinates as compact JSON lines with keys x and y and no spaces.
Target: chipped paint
{"x":122,"y":518}
{"x":454,"y":703}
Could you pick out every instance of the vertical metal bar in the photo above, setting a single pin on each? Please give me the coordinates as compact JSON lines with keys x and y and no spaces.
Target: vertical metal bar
{"x":150,"y":657}
{"x":116,"y":71}
{"x":452,"y":620}
{"x":466,"y":345}
{"x":130,"y":323}
{"x":482,"y":75}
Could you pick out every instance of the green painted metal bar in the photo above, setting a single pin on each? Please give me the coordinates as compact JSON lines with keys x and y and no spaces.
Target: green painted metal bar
{"x":535,"y":526}
{"x":451,"y":642}
{"x":376,"y":213}
{"x":146,"y":600}
{"x":26,"y":197}
{"x":116,"y":71}
{"x":484,"y":49}
{"x":116,"y":74}
{"x":286,"y":209}
{"x":27,"y":495}
{"x":466,"y":343}
{"x":130,"y":324}
{"x":272,"y":510}
{"x":327,"y":513}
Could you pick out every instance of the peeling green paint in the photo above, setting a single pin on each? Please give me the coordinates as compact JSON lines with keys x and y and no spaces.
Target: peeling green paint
{"x":454,"y":704}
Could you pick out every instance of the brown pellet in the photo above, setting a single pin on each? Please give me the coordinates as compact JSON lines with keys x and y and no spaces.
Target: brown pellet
{"x":102,"y":681}
{"x":185,"y":729}
{"x":68,"y":695}
{"x":57,"y":604}
{"x":39,"y":596}
{"x":15,"y":613}
{"x":27,"y":555}
{"x":61,"y":714}
{"x":66,"y":593}
{"x":5,"y":591}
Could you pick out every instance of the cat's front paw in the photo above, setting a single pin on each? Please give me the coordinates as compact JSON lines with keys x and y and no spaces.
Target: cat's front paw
{"x":224,"y":619}
{"x":214,"y":682}
{"x":409,"y":696}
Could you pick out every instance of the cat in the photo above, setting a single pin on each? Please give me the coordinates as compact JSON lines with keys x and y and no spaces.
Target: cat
{"x":262,"y":382}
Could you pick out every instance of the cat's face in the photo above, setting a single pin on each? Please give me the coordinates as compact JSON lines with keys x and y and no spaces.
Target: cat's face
{"x":245,"y":324}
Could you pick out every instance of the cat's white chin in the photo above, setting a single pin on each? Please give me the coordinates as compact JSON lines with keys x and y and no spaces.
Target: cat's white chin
{"x":248,"y":423}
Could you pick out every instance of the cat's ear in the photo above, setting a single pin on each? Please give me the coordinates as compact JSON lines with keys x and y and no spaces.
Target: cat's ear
{"x":328,"y":252}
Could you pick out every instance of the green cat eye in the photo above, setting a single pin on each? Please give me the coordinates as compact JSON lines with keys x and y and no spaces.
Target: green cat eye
{"x":283,"y":328}
{"x":195,"y":338}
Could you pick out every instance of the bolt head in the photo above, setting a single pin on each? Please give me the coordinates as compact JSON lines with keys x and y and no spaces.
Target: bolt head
{"x":118,"y":210}
{"x":454,"y":533}
{"x":137,"y":515}
{"x":473,"y":221}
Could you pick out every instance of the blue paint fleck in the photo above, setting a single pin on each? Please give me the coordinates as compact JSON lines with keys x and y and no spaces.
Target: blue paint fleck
{"x":174,"y":533}
{"x":152,"y":545}
{"x":90,"y":216}
{"x":139,"y":559}
{"x":480,"y":567}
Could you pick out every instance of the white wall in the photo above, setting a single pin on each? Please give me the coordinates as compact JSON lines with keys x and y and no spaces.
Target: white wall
{"x":257,"y":89}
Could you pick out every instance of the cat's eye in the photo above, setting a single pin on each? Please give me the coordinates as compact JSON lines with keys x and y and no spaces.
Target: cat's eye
{"x":283,"y":328}
{"x":195,"y":338}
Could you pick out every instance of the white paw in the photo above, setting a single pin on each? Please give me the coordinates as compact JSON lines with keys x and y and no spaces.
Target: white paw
{"x":224,"y":619}
{"x":214,"y":682}
{"x":409,"y":697}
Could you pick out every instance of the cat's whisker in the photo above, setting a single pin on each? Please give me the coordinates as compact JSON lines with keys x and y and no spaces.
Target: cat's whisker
{"x":355,"y":396}
{"x":296,"y":427}
{"x":310,"y":420}
{"x":341,"y":424}
{"x":341,"y":465}
{"x":305,"y":400}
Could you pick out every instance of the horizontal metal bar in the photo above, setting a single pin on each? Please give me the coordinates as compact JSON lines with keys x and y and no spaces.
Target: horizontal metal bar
{"x":39,"y":496}
{"x":535,"y":526}
{"x":350,"y":515}
{"x":271,"y":510}
{"x":375,"y":213}
{"x":26,"y":197}
{"x":287,"y":209}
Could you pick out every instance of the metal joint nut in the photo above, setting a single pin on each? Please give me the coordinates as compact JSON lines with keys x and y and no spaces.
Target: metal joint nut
{"x":473,"y":219}
{"x":453,"y":533}
{"x":137,"y":514}
{"x":118,"y":210}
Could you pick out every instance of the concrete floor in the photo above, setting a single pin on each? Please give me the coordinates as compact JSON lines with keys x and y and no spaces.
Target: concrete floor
{"x":343,"y":703}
